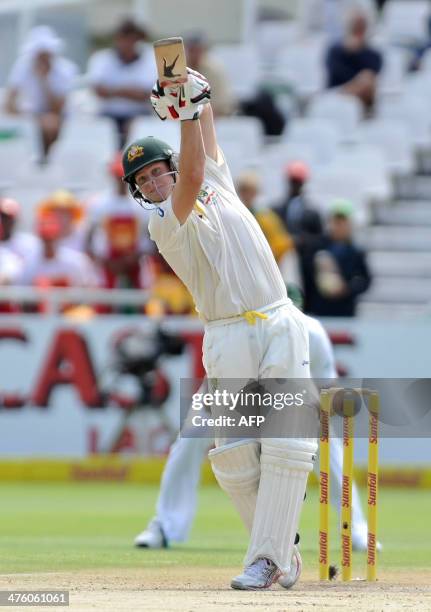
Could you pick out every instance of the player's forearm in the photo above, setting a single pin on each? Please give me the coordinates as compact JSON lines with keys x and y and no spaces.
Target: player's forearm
{"x":191,"y":170}
{"x":208,"y":132}
{"x":192,"y":153}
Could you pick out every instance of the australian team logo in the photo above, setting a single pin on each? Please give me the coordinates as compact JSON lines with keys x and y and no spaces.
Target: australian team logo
{"x":134,"y":152}
{"x":207,"y":196}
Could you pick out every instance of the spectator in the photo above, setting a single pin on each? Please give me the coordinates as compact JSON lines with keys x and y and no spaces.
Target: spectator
{"x":122,"y":77}
{"x":70,"y":213}
{"x":328,"y":16}
{"x":352,"y":65}
{"x":419,"y":50}
{"x":198,"y":57}
{"x":340,"y":273}
{"x":261,"y":105}
{"x":22,"y":244}
{"x":168,"y":295}
{"x":116,"y":238}
{"x":10,"y":268}
{"x":294,"y":209}
{"x":57,"y":266}
{"x":278,"y":237}
{"x":247,"y":186}
{"x":39,"y":83}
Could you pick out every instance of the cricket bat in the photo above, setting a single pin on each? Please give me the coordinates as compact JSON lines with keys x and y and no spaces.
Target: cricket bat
{"x":171,"y":61}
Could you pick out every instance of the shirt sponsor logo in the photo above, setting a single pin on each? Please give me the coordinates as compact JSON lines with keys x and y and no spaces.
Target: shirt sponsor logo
{"x":207,"y":196}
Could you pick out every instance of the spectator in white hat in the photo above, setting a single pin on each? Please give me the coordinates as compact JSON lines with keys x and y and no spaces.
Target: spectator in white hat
{"x":39,"y":83}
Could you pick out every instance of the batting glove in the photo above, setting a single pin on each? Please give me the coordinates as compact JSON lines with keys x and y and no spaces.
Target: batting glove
{"x":183,"y":102}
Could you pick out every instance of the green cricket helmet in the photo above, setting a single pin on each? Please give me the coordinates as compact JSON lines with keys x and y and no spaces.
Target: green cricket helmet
{"x":141,"y":153}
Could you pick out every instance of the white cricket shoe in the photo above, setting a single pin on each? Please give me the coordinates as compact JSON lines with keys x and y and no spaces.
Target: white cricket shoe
{"x":259,"y":575}
{"x":359,"y":540}
{"x":288,"y":580}
{"x":152,"y":537}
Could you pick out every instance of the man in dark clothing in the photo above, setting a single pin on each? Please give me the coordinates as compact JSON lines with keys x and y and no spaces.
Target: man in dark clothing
{"x":339,"y":273}
{"x":352,"y":65}
{"x":293,"y":208}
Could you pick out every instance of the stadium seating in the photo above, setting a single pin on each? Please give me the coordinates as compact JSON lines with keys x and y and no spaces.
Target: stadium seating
{"x":414,"y":111}
{"x":321,"y":134}
{"x":392,"y":77}
{"x":345,"y":111}
{"x":273,"y":38}
{"x":302,"y":66}
{"x":152,"y":126}
{"x":393,"y":139}
{"x":245,"y":130}
{"x":333,"y":183}
{"x":370,"y":161}
{"x":405,"y":21}
{"x":238,"y":61}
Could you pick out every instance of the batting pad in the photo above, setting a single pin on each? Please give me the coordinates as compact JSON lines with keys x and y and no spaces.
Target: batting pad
{"x":237,"y":469}
{"x":284,"y":465}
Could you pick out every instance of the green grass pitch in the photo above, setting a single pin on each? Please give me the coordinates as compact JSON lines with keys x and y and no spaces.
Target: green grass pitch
{"x":62,"y":527}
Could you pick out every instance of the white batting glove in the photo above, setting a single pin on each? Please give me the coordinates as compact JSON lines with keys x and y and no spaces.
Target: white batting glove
{"x":184,"y":102}
{"x":160,"y":102}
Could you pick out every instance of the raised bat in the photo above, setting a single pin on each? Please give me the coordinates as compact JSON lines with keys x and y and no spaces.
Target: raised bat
{"x":171,"y":61}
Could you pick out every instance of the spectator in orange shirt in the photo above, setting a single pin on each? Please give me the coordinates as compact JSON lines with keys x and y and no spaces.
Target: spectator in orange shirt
{"x":116,"y":238}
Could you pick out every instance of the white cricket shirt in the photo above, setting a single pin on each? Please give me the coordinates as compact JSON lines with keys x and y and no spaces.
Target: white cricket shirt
{"x":222,"y":256}
{"x":322,"y":358}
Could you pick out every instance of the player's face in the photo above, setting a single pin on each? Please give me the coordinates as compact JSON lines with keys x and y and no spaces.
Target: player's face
{"x":155,"y":181}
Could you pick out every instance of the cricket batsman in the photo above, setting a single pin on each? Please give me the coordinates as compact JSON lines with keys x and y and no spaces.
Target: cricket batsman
{"x":176,"y":504}
{"x":252,"y":329}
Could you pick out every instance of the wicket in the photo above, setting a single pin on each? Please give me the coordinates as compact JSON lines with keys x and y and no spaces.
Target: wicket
{"x":326,"y":399}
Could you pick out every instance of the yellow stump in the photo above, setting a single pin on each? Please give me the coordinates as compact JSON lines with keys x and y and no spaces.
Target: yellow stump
{"x":372,"y":485}
{"x":325,"y":409}
{"x":346,"y":496}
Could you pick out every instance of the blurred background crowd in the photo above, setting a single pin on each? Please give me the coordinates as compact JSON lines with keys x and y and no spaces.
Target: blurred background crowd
{"x":323,"y":115}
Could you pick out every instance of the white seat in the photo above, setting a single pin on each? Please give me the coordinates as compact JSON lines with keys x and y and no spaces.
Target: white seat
{"x":169,"y":131}
{"x":412,"y":109}
{"x":13,"y":156}
{"x":321,"y":134}
{"x":18,"y":145}
{"x":425,"y":70}
{"x":405,"y":20}
{"x":241,"y":63}
{"x":391,"y":79}
{"x":371,"y":163}
{"x":336,"y":182}
{"x":85,"y":140}
{"x":237,"y":161}
{"x":82,"y":100}
{"x":419,"y":83}
{"x":283,"y":153}
{"x":302,"y":65}
{"x":344,"y":110}
{"x":244,"y":130}
{"x":393,"y":139}
{"x":272,"y":38}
